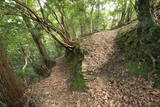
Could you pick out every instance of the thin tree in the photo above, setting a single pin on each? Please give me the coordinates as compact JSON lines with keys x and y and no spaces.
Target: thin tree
{"x":36,"y":35}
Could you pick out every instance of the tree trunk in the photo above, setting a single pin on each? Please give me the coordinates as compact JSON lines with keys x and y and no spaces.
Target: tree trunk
{"x":144,"y":13}
{"x":121,"y":22}
{"x":11,"y":91}
{"x":81,"y":27}
{"x":36,"y":35}
{"x":129,"y":13}
{"x":91,"y":21}
{"x":123,"y":14}
{"x":144,"y":16}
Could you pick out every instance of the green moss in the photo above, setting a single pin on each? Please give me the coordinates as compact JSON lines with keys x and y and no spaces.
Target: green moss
{"x":79,"y":82}
{"x":74,"y":59}
{"x":138,"y":47}
{"x":157,"y":83}
{"x":29,"y":75}
{"x":138,"y":68}
{"x":127,"y":41}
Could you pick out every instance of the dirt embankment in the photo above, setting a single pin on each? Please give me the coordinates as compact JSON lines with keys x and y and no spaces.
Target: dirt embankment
{"x":111,"y":87}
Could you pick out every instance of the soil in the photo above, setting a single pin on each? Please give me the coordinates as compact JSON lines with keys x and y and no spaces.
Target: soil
{"x":112,"y":85}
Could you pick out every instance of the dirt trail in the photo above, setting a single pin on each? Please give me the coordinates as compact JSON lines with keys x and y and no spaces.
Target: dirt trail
{"x":113,"y":87}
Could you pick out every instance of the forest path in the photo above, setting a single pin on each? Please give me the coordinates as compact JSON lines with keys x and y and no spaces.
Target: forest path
{"x":112,"y":87}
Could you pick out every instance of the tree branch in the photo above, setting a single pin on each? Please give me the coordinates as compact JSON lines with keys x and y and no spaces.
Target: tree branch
{"x":47,"y":25}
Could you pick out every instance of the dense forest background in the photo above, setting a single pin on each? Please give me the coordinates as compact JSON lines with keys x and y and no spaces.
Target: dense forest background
{"x":22,"y":36}
{"x":33,"y":33}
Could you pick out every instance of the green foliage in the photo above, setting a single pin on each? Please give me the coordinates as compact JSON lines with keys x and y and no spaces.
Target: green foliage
{"x":140,"y":48}
{"x":128,"y":43}
{"x":138,"y":68}
{"x":28,"y":75}
{"x":78,"y":17}
{"x":120,"y":12}
{"x":78,"y":83}
{"x":54,"y":49}
{"x":138,"y":62}
{"x":157,"y":83}
{"x":17,"y":38}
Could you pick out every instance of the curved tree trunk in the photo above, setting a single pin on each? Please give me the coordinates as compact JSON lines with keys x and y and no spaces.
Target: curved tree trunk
{"x":36,"y":35}
{"x":11,"y":91}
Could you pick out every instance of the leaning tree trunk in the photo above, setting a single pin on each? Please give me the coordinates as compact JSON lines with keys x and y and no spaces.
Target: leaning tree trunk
{"x":36,"y":35}
{"x":11,"y":91}
{"x":123,"y":15}
{"x":66,"y":42}
{"x":129,"y":13}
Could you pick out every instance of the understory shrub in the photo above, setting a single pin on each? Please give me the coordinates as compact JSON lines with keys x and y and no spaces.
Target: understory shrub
{"x":28,"y":75}
{"x":141,"y":49}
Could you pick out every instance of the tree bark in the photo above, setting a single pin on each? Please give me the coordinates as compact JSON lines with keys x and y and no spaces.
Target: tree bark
{"x":129,"y":13}
{"x":143,"y":10}
{"x":47,"y":26}
{"x":91,"y":21}
{"x":11,"y":91}
{"x":123,"y":14}
{"x":36,"y":35}
{"x":144,"y":16}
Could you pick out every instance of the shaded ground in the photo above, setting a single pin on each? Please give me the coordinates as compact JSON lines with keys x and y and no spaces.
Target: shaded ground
{"x":112,"y":87}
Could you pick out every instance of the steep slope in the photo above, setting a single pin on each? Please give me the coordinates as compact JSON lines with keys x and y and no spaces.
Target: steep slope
{"x":111,"y":86}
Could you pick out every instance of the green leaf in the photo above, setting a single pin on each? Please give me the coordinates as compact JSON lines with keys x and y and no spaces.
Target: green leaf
{"x":2,"y":1}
